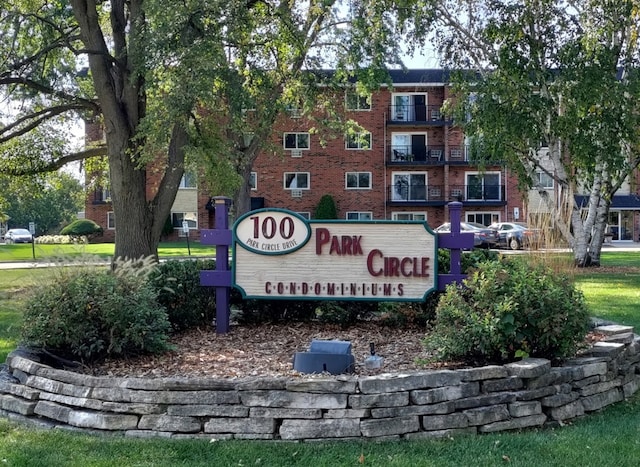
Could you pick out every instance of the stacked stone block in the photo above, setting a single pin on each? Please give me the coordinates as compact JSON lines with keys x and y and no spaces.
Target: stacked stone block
{"x":418,"y":405}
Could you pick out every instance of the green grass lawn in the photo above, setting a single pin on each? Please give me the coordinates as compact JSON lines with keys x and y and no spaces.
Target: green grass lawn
{"x":607,"y":438}
{"x":26,"y":252}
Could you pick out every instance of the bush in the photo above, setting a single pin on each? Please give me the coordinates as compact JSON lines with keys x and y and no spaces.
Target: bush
{"x":92,"y":314}
{"x":507,"y":309}
{"x":177,"y":284}
{"x":272,"y":311}
{"x":81,"y":228}
{"x":326,"y":208}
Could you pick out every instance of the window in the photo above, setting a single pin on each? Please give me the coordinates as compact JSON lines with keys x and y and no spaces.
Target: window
{"x":357,"y":180}
{"x":296,"y":180}
{"x":189,"y":180}
{"x":296,"y":141}
{"x":305,"y":214}
{"x":253,"y":180}
{"x":355,"y":101}
{"x":409,"y":216}
{"x":483,"y":187}
{"x":111,"y":221}
{"x":409,"y":186}
{"x":105,"y":195}
{"x":358,"y":216}
{"x":408,"y":147}
{"x":543,"y":180}
{"x":409,"y":107}
{"x":484,"y":218}
{"x":358,"y":140}
{"x":177,"y":218}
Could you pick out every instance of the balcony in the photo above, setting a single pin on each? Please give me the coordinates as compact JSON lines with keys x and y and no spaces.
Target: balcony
{"x":478,"y":195}
{"x":101,"y":196}
{"x":416,"y":114}
{"x":416,"y":155}
{"x":435,"y":195}
{"x":415,"y":195}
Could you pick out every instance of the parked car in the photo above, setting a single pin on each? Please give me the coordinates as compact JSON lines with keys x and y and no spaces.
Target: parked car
{"x":18,"y":236}
{"x":514,"y":235}
{"x":483,"y":237}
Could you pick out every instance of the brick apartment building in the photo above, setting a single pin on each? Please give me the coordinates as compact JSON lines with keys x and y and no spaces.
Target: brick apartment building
{"x":408,"y":165}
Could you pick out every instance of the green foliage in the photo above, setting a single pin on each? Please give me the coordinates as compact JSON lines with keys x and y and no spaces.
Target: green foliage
{"x":468,"y":259}
{"x":326,"y":208}
{"x":81,"y":228}
{"x":50,"y":200}
{"x":344,"y":313}
{"x":509,"y":307}
{"x":272,"y":311}
{"x":177,"y":284}
{"x":92,"y":314}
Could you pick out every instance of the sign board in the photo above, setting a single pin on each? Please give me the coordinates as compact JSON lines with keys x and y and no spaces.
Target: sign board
{"x":185,"y":227}
{"x":279,"y":254}
{"x":32,"y":228}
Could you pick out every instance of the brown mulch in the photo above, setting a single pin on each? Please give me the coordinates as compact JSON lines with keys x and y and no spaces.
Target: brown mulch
{"x":268,"y":350}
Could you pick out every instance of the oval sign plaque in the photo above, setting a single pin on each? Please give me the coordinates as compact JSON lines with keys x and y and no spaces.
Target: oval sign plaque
{"x":272,"y":232}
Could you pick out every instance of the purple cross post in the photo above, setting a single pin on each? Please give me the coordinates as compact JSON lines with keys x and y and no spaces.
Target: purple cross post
{"x":455,"y":241}
{"x":221,"y":237}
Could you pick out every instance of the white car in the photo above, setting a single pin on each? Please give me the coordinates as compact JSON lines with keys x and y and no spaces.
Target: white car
{"x":18,"y":236}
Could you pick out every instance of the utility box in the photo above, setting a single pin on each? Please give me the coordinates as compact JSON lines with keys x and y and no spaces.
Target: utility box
{"x":332,"y":356}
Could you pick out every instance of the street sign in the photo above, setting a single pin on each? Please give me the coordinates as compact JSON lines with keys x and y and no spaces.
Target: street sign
{"x":185,"y":227}
{"x":32,"y":228}
{"x":279,"y":254}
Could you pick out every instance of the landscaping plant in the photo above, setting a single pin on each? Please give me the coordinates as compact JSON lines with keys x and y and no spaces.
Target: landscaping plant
{"x":507,"y":309}
{"x":94,"y":313}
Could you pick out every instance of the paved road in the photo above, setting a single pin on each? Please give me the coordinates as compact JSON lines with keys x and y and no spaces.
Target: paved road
{"x":627,"y":246}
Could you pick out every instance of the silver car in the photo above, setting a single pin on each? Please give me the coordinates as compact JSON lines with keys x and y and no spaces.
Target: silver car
{"x":483,"y":237}
{"x":18,"y":236}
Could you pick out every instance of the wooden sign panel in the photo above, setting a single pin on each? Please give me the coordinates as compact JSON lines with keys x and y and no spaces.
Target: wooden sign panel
{"x":280,"y":255}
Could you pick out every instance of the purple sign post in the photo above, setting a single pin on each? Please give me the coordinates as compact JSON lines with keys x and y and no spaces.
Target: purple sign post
{"x":221,"y":236}
{"x":455,"y":241}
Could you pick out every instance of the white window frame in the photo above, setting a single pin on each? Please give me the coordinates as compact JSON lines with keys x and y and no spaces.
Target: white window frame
{"x":358,"y":141}
{"x":395,"y":196}
{"x":297,"y":141}
{"x":190,"y":217}
{"x":368,"y":215}
{"x":482,"y":175}
{"x":111,"y":220}
{"x":189,"y":181}
{"x":411,"y":216}
{"x":253,"y":181}
{"x":540,"y":177}
{"x":471,"y":216}
{"x":362,"y":103}
{"x":357,"y":175}
{"x":296,"y":174}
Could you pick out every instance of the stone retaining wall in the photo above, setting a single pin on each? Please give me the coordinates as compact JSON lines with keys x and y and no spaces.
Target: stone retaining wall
{"x":426,"y":404}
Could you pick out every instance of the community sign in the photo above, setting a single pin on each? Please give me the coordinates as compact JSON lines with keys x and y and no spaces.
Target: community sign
{"x":279,"y":254}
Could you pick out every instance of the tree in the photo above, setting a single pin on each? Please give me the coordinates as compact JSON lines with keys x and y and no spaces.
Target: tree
{"x":548,"y":74}
{"x":170,"y":83}
{"x":50,"y":200}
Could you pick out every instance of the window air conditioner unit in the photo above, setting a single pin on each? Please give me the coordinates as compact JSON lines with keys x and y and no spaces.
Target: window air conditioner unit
{"x":456,"y":193}
{"x":295,"y":113}
{"x":296,"y":193}
{"x":296,"y":153}
{"x":456,"y":154}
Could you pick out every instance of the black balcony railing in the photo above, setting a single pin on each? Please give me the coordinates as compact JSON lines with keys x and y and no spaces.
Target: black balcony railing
{"x":415,"y":113}
{"x":101,"y":196}
{"x":418,"y":154}
{"x":401,"y":192}
{"x":486,"y":193}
